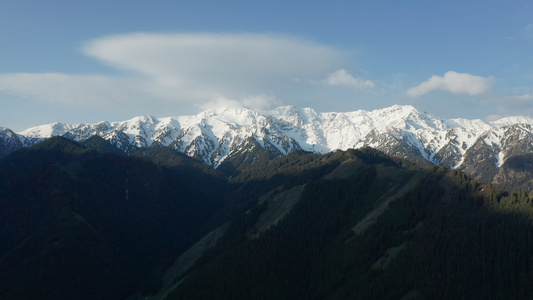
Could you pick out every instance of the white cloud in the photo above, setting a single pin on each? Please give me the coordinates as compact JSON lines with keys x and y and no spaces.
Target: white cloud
{"x":453,"y":82}
{"x":343,"y":78}
{"x":257,"y":102}
{"x":227,"y":64}
{"x":223,"y":58}
{"x":219,"y":103}
{"x":182,"y":70}
{"x":260,"y":102}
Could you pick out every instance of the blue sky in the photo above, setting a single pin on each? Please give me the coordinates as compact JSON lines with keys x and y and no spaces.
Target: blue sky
{"x":83,"y":62}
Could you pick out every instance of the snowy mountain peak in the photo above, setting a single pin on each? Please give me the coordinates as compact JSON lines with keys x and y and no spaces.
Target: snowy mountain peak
{"x":407,"y":117}
{"x":293,"y":115}
{"x":220,"y":133}
{"x":512,"y":120}
{"x":46,"y":131}
{"x":397,"y":110}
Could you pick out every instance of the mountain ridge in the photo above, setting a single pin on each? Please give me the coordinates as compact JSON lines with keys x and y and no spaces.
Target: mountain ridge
{"x":400,"y":130}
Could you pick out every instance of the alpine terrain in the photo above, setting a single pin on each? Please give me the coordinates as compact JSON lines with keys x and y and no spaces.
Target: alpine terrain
{"x":230,"y":138}
{"x":83,"y":220}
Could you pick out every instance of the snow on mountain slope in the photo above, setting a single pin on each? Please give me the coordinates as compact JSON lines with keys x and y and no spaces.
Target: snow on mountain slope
{"x":403,"y":131}
{"x":9,"y":141}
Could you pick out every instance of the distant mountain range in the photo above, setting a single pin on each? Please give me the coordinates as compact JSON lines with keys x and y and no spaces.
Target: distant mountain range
{"x":477,"y":147}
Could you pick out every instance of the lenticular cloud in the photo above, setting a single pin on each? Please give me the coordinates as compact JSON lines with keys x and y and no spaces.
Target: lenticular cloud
{"x":215,"y":61}
{"x":170,"y":70}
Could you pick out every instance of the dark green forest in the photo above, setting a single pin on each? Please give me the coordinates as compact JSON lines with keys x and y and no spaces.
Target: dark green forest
{"x":442,"y":236}
{"x":85,"y":224}
{"x":85,"y":221}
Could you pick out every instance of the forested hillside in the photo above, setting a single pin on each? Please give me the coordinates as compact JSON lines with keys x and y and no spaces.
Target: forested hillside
{"x":83,"y":221}
{"x":77,"y":223}
{"x":368,"y":228}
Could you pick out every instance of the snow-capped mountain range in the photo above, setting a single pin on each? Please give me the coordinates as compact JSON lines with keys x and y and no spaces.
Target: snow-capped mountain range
{"x":214,"y":135}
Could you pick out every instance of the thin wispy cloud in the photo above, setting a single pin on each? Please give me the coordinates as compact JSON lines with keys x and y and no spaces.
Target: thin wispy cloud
{"x":68,"y":89}
{"x":455,"y":83}
{"x":528,"y":30}
{"x":508,"y":104}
